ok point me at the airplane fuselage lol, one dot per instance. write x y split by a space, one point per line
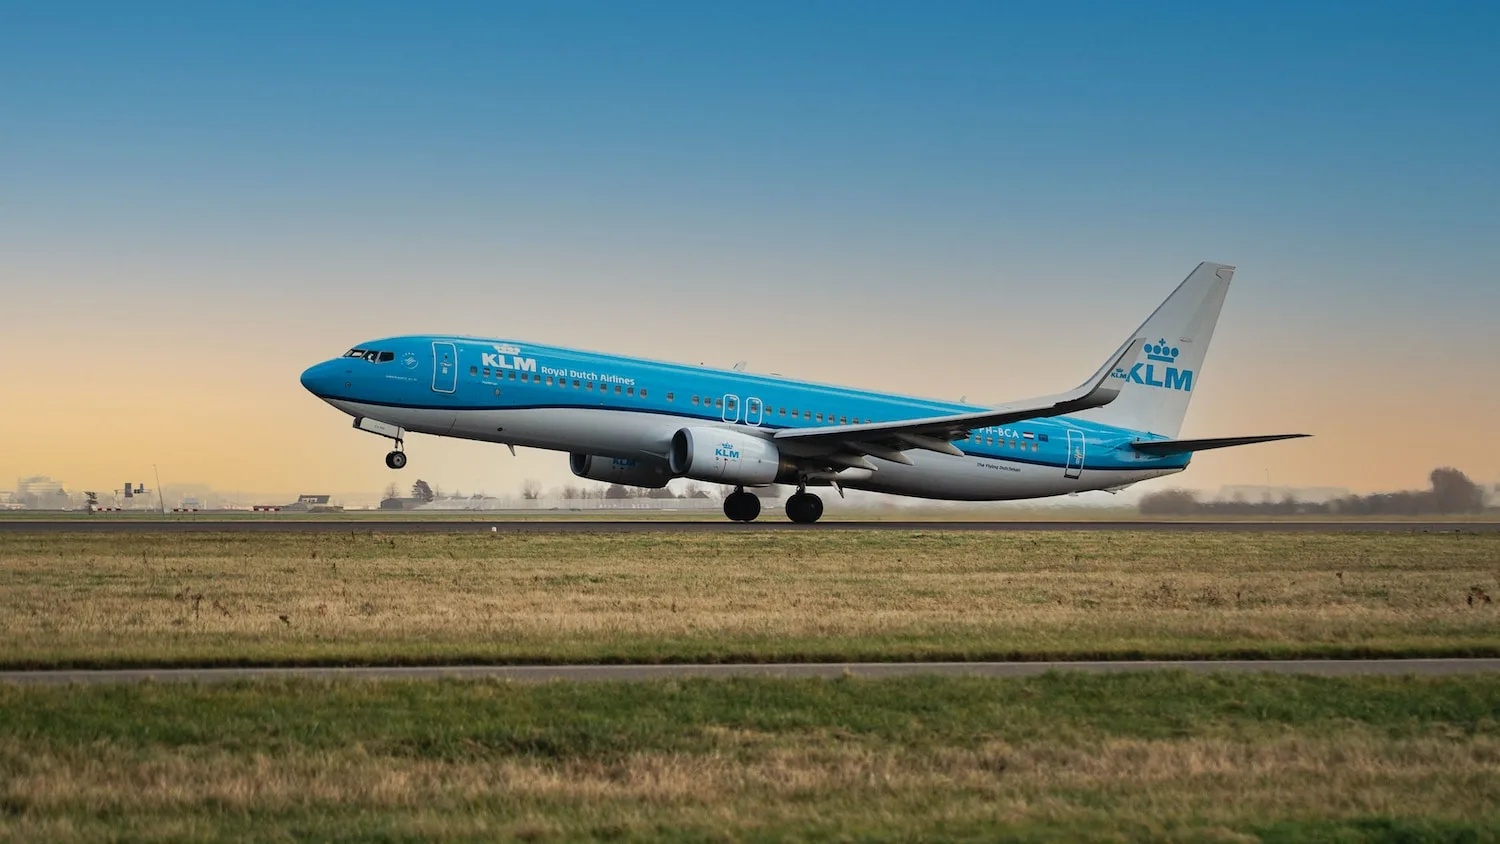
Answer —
624 413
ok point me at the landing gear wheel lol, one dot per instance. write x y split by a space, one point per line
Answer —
804 508
741 506
396 459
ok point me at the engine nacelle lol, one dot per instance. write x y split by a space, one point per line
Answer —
618 470
719 455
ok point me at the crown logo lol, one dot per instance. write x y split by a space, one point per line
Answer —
1161 351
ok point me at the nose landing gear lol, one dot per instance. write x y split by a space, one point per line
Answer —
741 506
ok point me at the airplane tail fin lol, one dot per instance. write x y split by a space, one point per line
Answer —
1158 387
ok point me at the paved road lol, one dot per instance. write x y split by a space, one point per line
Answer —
543 673
188 524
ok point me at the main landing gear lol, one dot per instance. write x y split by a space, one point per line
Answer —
804 508
741 506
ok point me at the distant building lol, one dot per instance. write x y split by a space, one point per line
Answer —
311 503
401 503
39 485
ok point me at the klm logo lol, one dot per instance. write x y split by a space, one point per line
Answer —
515 362
1152 373
727 452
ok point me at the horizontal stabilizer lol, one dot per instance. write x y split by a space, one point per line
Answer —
1159 448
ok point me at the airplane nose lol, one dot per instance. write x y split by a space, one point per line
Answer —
318 378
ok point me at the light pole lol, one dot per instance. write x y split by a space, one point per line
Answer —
161 502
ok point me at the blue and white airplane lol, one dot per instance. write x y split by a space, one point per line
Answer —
642 422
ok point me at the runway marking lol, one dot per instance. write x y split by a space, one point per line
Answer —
866 670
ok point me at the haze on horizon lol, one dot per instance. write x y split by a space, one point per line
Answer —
973 198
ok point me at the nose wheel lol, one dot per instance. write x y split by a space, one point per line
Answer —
396 459
804 508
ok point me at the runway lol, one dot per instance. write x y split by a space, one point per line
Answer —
866 670
190 524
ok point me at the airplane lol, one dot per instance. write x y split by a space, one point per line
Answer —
643 423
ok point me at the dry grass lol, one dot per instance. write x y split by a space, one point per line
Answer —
1123 757
226 598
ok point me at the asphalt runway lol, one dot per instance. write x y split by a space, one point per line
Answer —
189 524
867 670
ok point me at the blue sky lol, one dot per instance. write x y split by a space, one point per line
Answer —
721 181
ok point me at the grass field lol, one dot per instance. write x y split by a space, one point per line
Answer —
357 597
1160 756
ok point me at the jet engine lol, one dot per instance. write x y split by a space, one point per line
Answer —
617 470
724 456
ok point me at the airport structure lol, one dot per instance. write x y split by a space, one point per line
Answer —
642 423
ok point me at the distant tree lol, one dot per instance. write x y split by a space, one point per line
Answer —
422 492
1169 502
616 492
1453 492
531 489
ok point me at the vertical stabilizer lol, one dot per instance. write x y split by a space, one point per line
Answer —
1158 387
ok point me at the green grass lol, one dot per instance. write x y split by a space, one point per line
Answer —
362 598
1060 757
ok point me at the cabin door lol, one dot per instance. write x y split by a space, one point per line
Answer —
444 367
1075 455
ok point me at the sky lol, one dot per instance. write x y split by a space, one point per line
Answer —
981 199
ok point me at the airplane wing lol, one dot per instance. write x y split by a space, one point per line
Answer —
887 440
1159 448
